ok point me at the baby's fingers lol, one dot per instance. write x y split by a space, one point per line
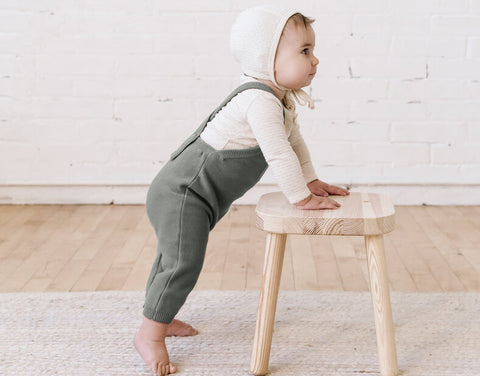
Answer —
333 204
317 203
333 190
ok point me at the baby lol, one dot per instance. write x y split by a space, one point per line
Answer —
253 128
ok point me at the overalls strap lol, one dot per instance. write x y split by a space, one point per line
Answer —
238 90
199 130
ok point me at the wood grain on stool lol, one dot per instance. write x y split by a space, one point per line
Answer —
362 214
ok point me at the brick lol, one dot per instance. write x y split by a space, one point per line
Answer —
6 87
54 86
449 47
397 24
399 154
214 23
125 6
338 6
474 88
325 25
13 43
475 6
428 46
7 107
470 173
69 107
429 132
114 44
409 46
409 89
453 68
352 173
473 48
352 131
208 44
364 24
331 153
151 108
427 6
212 88
193 6
333 66
179 44
155 66
352 46
7 65
169 23
455 154
38 131
454 110
328 109
456 25
474 132
13 21
61 65
216 66
388 110
101 87
347 89
23 154
422 174
448 89
384 66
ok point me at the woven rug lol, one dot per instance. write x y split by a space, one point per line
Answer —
316 333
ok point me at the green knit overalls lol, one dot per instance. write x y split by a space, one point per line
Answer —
190 194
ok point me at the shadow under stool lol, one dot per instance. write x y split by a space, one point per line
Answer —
361 214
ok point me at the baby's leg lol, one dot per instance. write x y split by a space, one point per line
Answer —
150 344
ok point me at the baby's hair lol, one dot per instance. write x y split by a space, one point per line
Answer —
300 19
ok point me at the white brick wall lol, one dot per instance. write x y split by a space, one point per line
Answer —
94 95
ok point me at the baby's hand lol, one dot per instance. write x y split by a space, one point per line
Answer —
320 188
316 202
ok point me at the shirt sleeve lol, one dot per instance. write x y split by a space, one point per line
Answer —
265 117
303 155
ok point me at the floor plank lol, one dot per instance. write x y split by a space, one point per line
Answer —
110 247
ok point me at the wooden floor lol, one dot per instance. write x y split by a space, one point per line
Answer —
88 248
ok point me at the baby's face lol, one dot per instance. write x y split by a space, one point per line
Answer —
295 64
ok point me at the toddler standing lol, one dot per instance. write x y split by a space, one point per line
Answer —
253 128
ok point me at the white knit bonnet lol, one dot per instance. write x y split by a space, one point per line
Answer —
254 40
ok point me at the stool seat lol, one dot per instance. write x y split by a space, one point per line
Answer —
365 214
360 214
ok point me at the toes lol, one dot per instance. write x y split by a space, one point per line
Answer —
162 369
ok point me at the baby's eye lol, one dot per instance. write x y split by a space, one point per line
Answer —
305 51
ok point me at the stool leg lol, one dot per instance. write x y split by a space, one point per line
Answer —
272 272
380 292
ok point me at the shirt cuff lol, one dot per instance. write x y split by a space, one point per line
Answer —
309 172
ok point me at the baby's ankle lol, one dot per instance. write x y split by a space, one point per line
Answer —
153 330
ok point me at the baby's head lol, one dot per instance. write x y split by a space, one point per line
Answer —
275 44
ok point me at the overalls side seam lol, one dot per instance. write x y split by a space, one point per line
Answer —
180 232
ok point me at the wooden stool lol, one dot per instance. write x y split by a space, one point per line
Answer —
364 214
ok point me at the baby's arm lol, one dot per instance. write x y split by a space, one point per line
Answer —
316 186
265 117
266 121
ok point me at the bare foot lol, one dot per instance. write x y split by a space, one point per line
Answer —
150 344
180 329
